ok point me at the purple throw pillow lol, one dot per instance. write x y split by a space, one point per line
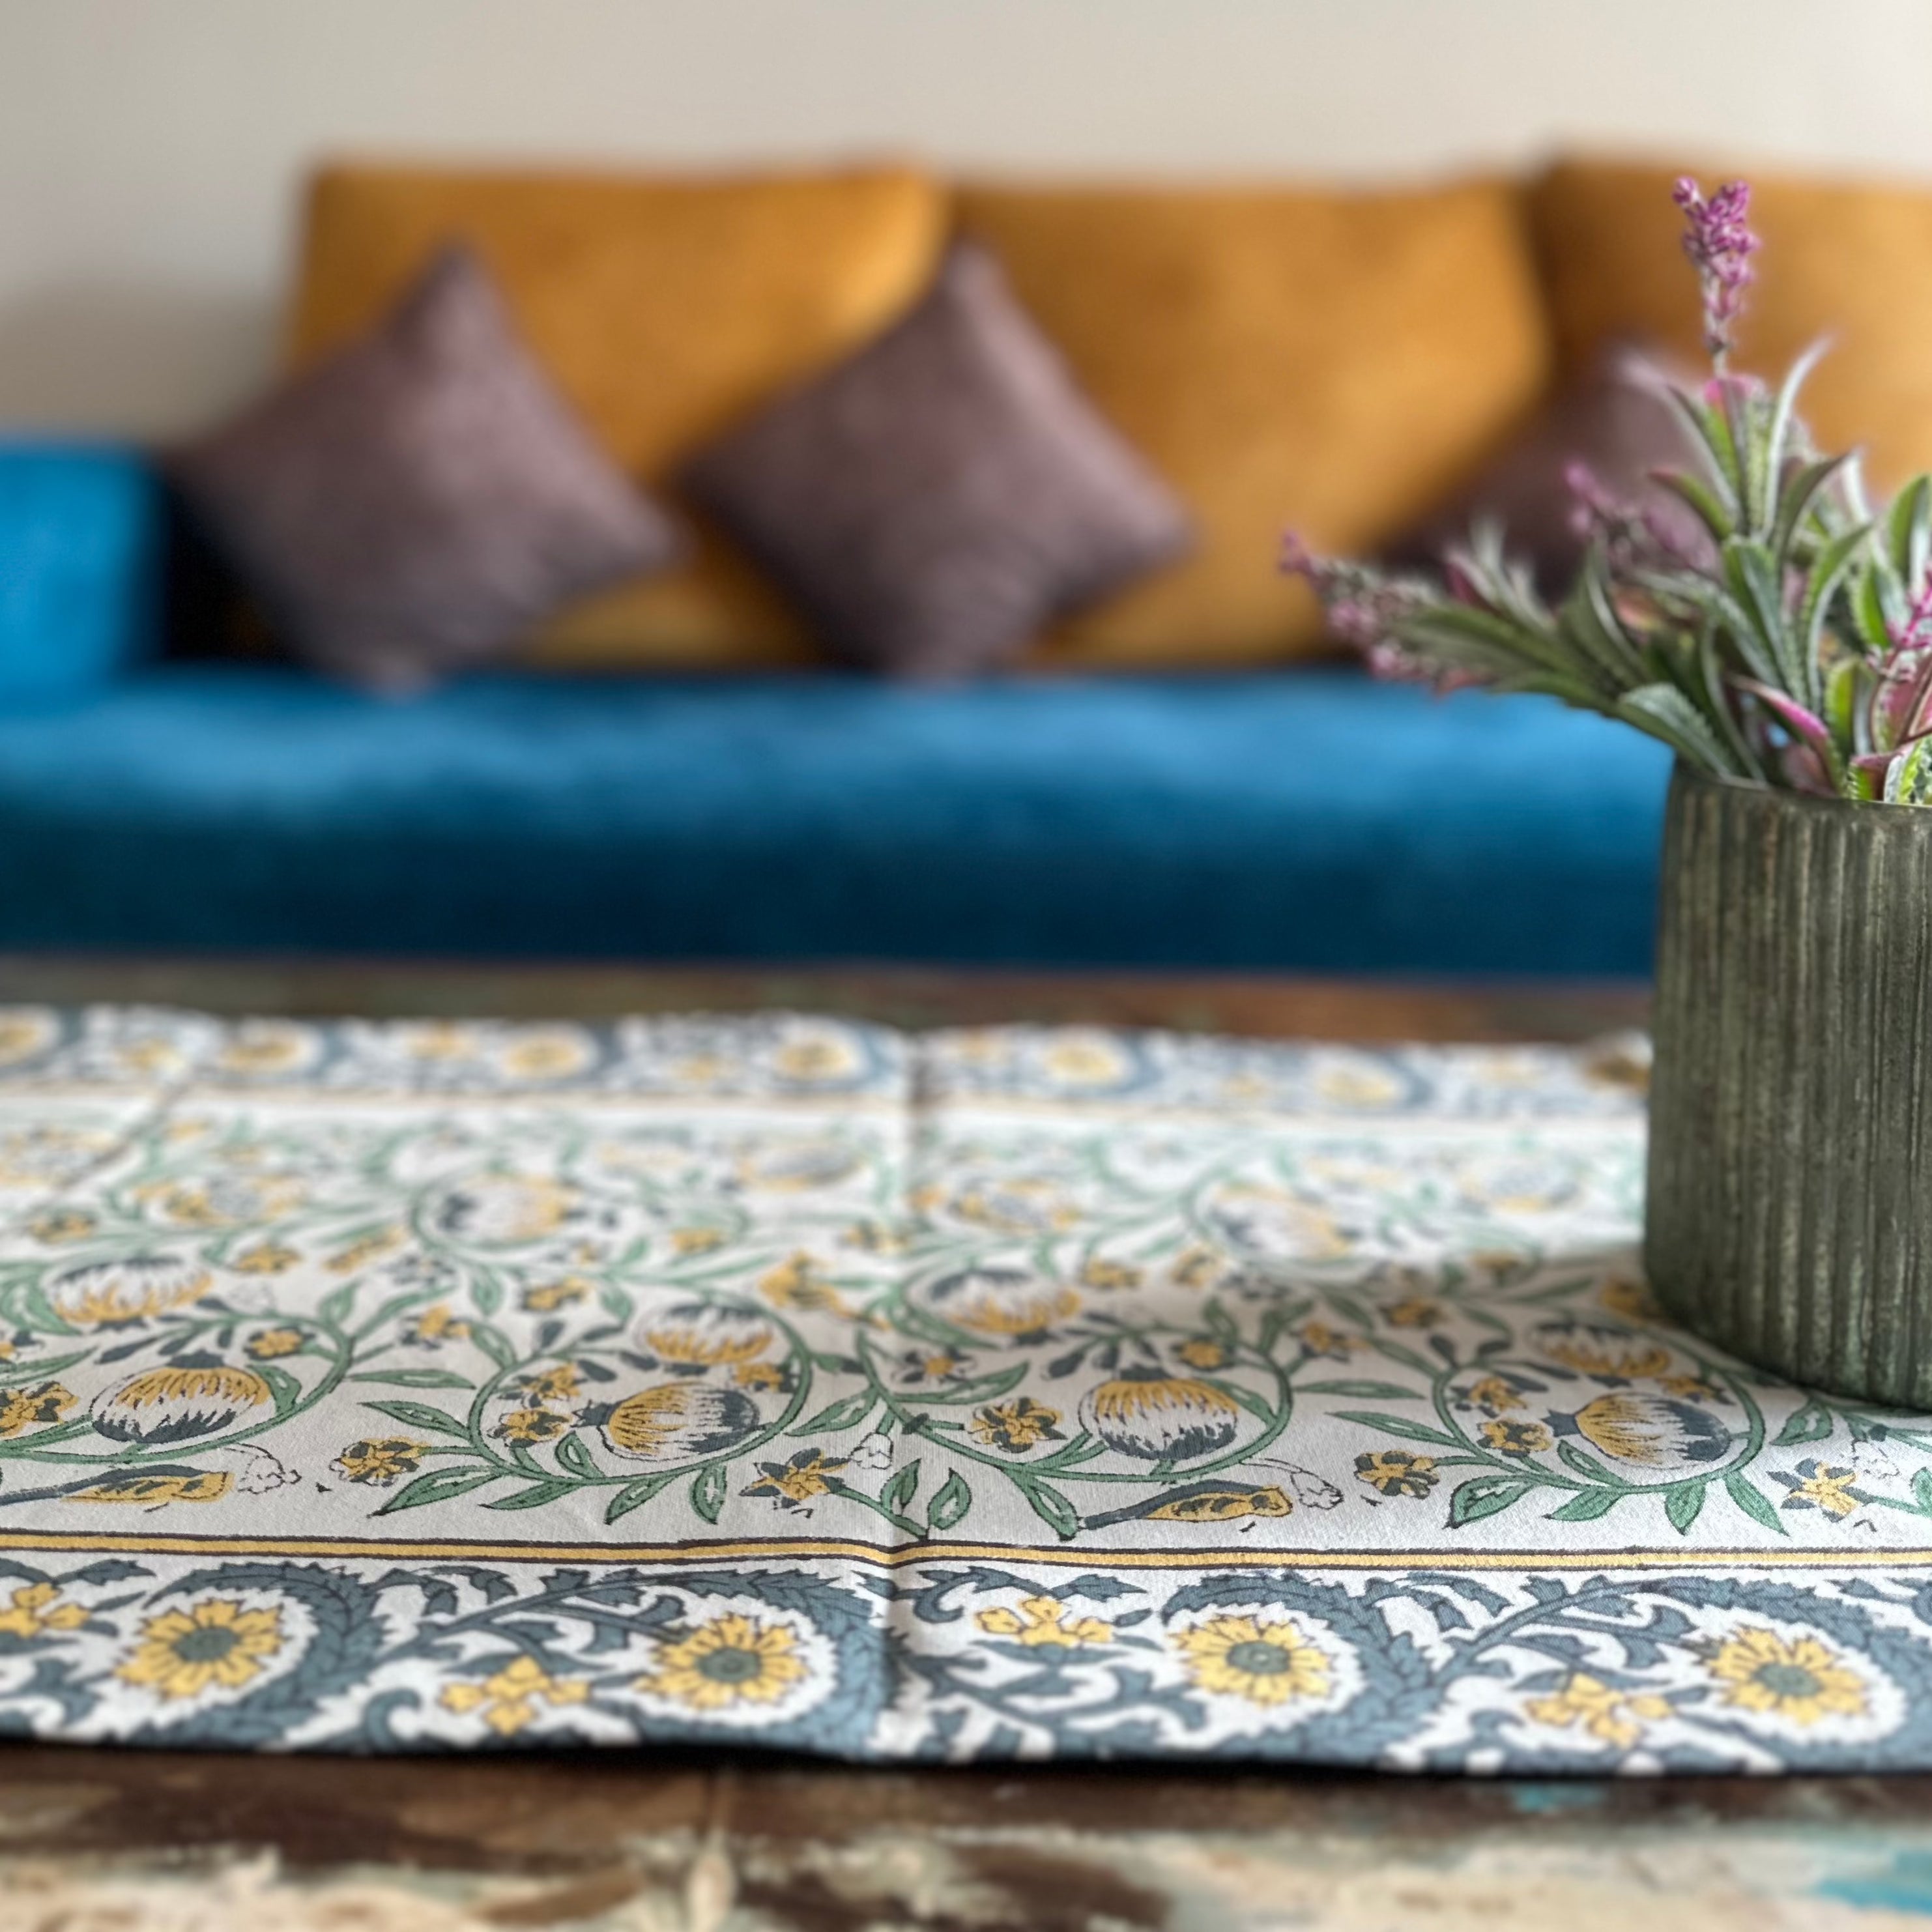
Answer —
1616 424
934 501
415 502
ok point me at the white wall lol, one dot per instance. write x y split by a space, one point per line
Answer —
149 149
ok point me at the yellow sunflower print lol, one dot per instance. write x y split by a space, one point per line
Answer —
1801 1680
1264 1663
734 1659
219 1642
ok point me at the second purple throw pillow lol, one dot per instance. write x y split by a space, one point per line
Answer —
934 502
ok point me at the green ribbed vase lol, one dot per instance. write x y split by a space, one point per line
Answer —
1790 1214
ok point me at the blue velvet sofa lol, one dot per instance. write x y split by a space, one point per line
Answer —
1308 821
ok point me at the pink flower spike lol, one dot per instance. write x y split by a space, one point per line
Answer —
1720 246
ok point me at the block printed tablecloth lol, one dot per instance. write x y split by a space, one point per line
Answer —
787 1381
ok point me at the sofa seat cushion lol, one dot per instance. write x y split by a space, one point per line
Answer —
1309 821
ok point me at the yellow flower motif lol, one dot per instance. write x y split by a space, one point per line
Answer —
1042 1620
1198 1268
1803 1681
759 1375
434 1326
1632 1300
1075 1062
545 1056
873 1237
1102 1273
1592 1350
531 1425
733 1660
1691 1388
1199 1352
1516 1438
265 1257
60 1225
380 1459
358 1253
23 1408
1617 1717
557 1384
1828 1488
220 1642
809 1474
1016 1206
795 1283
1396 1472
273 1342
815 1058
696 1240
1493 1395
546 1297
1265 1664
36 1609
508 1700
1414 1311
1319 1339
1015 1424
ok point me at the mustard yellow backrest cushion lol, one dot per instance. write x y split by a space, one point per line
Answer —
1333 360
665 307
1853 262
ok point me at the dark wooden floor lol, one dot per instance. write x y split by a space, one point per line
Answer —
662 1843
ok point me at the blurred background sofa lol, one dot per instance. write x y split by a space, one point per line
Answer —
1183 777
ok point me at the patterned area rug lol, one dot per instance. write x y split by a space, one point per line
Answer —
980 1394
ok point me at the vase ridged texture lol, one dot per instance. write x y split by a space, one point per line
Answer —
1789 1216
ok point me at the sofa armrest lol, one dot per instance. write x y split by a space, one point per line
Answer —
80 552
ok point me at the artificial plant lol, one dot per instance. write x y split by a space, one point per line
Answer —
1791 646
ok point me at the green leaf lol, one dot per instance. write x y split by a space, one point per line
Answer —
1908 778
337 1304
847 1412
1811 1423
1398 1425
576 1458
1484 1495
1784 411
283 1386
1052 1507
1587 1505
1573 1458
1922 1491
414 1378
1371 1391
486 1294
420 1415
535 1497
1220 1324
900 1490
1799 496
493 1345
1827 573
708 1488
1665 712
438 1486
1753 1502
1682 1505
1702 499
954 1499
1712 441
1908 531
634 1496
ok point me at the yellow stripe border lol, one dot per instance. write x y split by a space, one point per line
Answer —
1392 1562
